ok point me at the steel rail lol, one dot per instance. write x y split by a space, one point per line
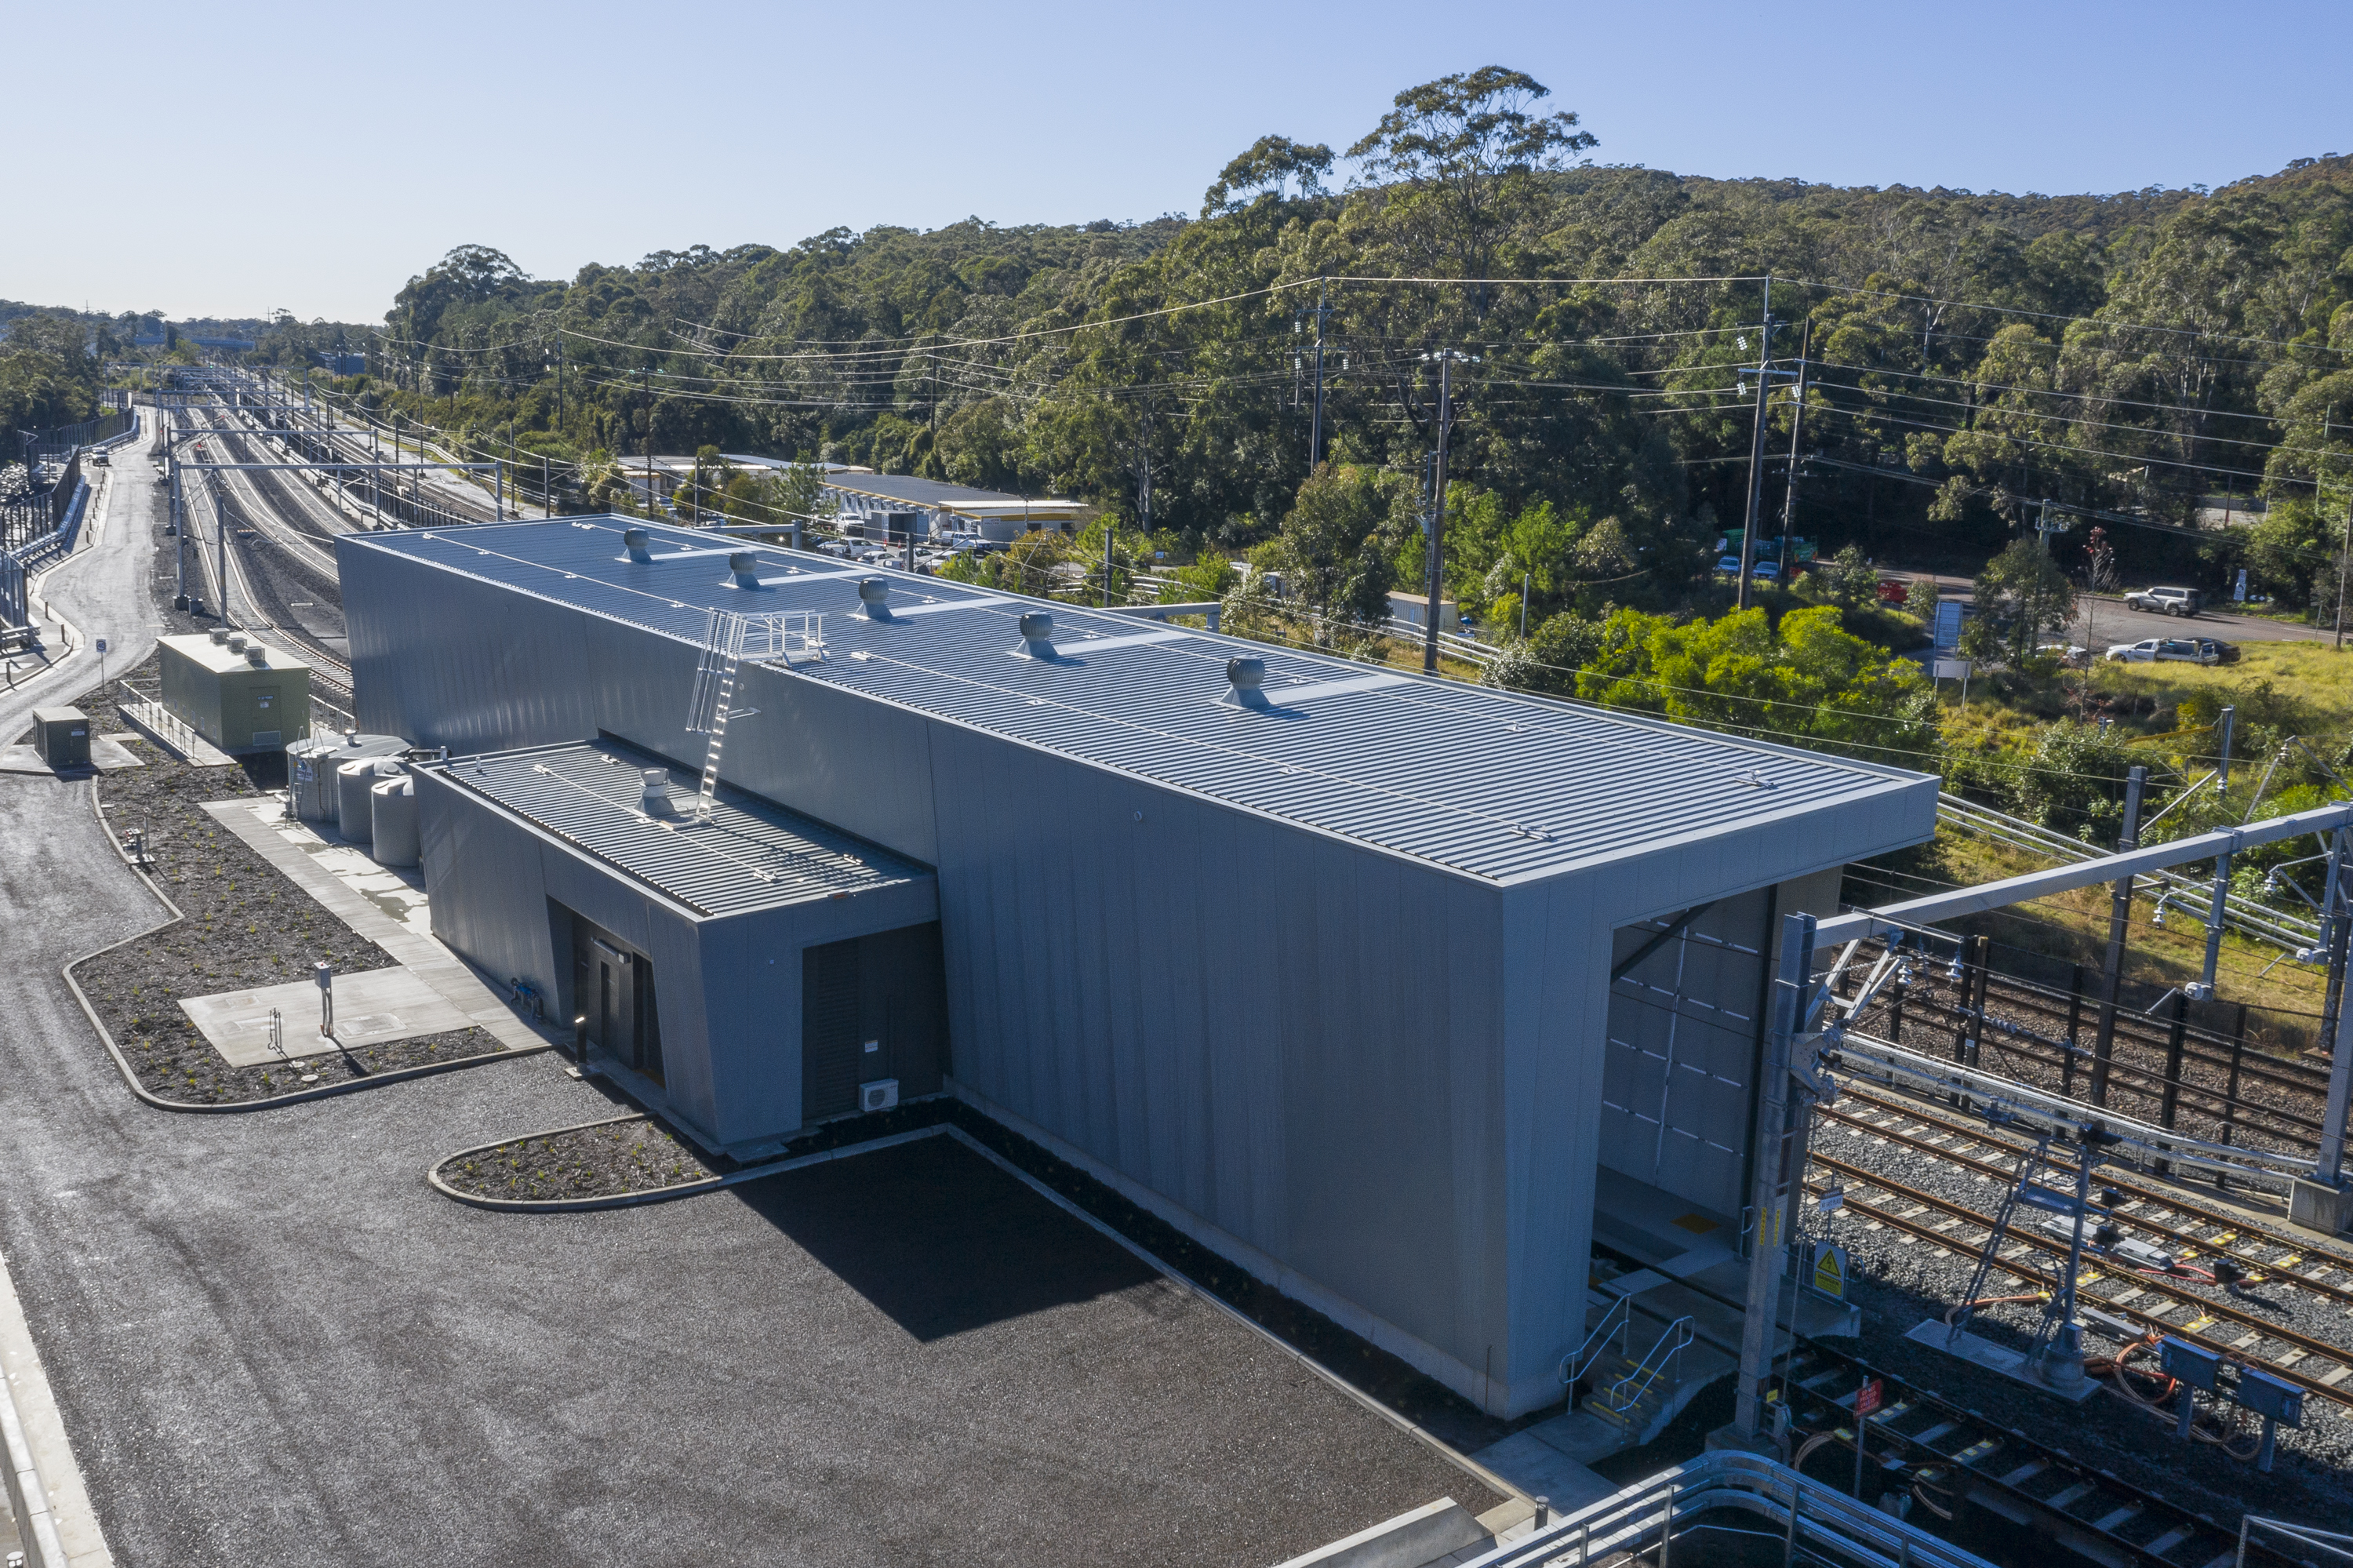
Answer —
2300 1246
2182 1238
1982 1438
2214 1310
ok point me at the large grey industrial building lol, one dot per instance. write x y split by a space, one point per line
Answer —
1321 972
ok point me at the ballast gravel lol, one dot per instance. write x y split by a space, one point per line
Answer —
1900 1281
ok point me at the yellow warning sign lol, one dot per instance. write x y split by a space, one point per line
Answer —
1830 1270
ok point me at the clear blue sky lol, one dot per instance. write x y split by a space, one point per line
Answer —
229 158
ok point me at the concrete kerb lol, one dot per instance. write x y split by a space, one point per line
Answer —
36 1530
654 1196
327 1091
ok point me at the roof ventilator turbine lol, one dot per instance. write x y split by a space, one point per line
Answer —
635 541
1036 636
874 597
1244 677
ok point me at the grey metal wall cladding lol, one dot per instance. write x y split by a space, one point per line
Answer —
1683 1039
1296 1039
1483 782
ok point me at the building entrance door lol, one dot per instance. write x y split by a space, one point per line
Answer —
613 988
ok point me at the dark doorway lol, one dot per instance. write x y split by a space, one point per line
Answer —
873 1008
613 986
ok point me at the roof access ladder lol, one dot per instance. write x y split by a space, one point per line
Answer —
730 640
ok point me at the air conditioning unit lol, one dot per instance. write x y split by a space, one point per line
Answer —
879 1095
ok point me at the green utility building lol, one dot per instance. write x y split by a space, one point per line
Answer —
235 693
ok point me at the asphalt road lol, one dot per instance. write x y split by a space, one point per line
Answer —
2102 623
272 1344
101 589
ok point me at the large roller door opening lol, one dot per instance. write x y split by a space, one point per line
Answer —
1682 1044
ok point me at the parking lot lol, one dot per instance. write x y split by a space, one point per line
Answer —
272 1344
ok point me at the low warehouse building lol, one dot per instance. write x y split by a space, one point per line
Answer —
699 954
1312 960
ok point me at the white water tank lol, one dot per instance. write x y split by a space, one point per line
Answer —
318 799
391 815
354 780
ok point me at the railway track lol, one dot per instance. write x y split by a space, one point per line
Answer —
1944 1450
2204 1312
249 601
1936 1448
2272 1255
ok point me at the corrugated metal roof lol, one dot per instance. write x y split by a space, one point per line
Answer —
918 491
1481 780
751 854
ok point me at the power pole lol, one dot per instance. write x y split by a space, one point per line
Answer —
1436 554
2119 921
1796 424
1756 451
1774 1183
1315 426
2344 559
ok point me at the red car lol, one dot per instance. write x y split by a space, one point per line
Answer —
1895 590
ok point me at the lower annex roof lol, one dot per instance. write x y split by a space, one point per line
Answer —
1482 781
751 854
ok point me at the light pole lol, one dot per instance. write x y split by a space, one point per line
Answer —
1435 569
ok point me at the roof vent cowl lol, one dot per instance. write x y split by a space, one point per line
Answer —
653 798
1036 636
636 541
874 597
744 570
1244 676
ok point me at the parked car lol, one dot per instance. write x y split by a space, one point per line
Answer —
1895 590
2167 600
1764 571
2224 653
1728 565
2164 649
2067 653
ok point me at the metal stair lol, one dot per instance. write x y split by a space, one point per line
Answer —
1635 1393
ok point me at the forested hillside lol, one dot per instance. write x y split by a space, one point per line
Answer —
1967 354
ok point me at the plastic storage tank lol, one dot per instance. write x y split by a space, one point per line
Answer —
353 780
317 798
391 817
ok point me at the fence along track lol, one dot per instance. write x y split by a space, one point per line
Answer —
2289 1119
